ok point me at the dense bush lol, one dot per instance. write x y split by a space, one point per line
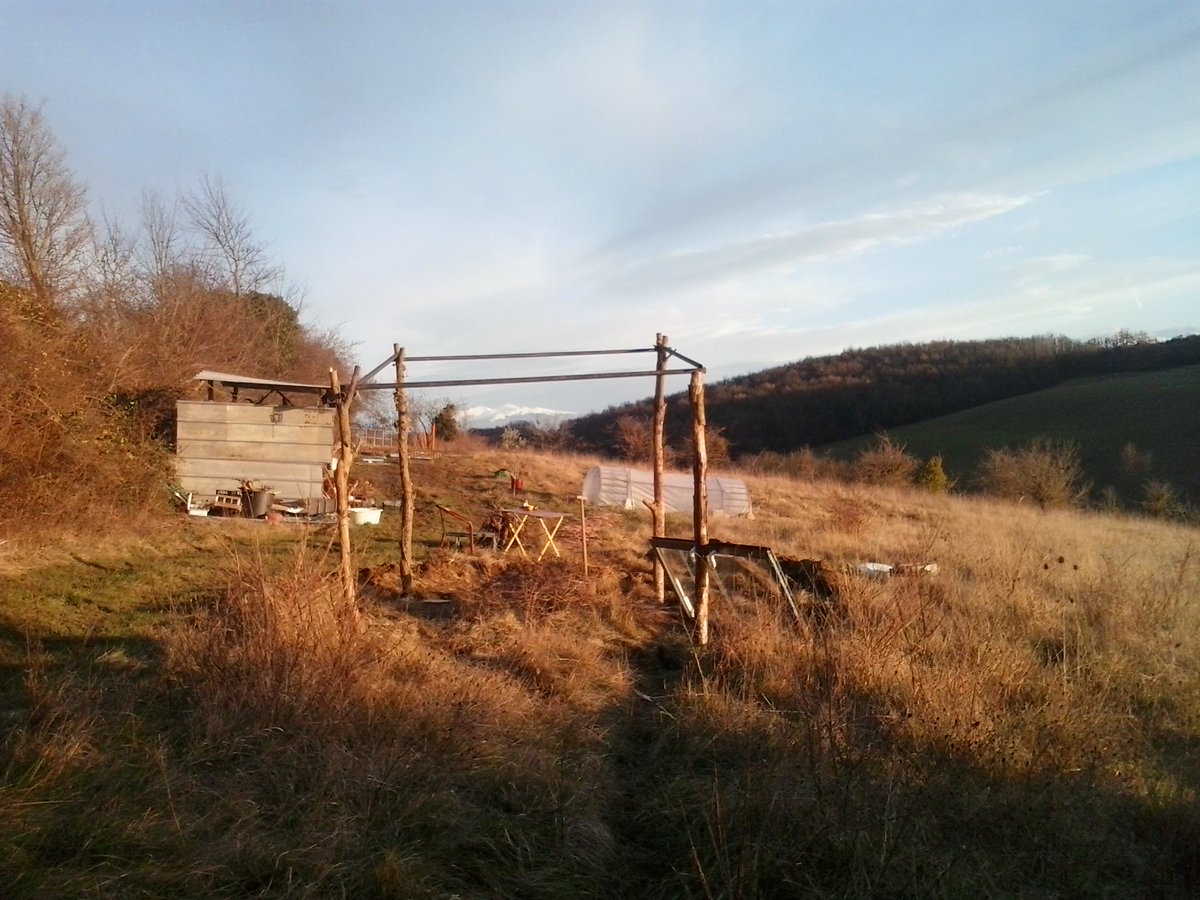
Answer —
932 476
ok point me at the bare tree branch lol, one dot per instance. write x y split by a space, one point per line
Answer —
240 261
113 266
161 251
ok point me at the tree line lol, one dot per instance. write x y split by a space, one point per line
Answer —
822 400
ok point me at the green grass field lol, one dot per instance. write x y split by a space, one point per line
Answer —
1157 412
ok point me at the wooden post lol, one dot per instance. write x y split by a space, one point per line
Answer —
700 504
407 501
341 479
657 511
583 532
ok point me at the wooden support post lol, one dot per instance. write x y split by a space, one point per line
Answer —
700 505
583 532
341 480
658 512
407 501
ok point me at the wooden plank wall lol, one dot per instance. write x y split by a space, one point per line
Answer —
218 445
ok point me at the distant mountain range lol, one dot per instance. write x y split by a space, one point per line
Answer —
509 413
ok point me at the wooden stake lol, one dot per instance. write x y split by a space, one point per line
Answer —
700 504
341 480
657 511
583 532
407 501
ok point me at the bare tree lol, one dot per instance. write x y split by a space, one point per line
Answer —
113 272
43 229
161 251
111 287
239 260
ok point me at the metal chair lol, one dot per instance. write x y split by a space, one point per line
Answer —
452 534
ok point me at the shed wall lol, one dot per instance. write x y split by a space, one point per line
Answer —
219 445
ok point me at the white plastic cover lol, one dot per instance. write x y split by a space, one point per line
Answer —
628 488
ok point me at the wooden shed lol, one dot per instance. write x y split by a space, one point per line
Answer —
221 444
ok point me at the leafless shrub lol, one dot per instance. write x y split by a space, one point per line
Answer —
765 462
1134 460
885 463
718 450
1045 471
809 465
1160 500
633 438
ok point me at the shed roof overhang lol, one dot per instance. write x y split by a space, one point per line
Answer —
236 383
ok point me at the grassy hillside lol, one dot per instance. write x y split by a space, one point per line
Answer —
1154 411
196 712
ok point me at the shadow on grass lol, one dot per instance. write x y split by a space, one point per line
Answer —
732 797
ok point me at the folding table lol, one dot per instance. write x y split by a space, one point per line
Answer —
517 519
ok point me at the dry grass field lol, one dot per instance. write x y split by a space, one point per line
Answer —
195 711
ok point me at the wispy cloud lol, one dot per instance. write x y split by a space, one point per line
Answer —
787 250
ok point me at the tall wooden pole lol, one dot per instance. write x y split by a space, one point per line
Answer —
341 480
658 512
700 504
407 502
583 532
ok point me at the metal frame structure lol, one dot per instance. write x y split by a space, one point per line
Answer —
366 385
663 353
664 546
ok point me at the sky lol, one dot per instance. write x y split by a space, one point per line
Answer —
760 181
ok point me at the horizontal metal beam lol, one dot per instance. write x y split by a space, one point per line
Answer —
552 354
539 355
528 379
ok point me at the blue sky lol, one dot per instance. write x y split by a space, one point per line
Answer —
760 181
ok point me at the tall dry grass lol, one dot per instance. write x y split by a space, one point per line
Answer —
1038 694
1023 723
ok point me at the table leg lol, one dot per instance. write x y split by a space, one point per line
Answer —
515 525
550 533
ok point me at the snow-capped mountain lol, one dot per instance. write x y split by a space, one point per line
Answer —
491 416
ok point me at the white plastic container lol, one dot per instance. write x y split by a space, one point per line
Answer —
365 515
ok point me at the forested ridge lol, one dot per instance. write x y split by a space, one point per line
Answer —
821 400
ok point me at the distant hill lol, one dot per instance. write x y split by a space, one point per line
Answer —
1158 413
823 400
